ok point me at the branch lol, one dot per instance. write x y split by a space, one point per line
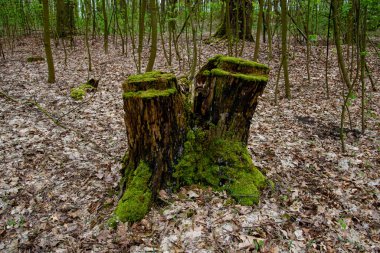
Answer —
294 22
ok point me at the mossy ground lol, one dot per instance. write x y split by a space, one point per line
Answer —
224 164
136 200
78 93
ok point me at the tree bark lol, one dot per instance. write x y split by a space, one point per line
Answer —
258 31
153 46
173 143
284 49
104 10
226 94
234 12
49 55
65 23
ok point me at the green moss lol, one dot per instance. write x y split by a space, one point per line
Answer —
206 72
150 77
249 78
252 78
79 92
219 72
221 163
242 62
149 93
137 197
236 67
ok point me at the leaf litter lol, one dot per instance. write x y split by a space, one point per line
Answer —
58 185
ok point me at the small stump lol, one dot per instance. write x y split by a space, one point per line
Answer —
156 127
226 93
202 144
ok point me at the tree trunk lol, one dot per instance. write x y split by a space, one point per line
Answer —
49 55
65 23
60 7
284 50
104 10
171 144
258 31
156 127
226 94
153 46
141 33
234 12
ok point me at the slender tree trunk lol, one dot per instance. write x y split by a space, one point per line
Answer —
153 46
87 21
284 50
363 37
49 55
327 54
232 16
104 9
141 32
308 41
343 70
269 28
60 14
195 49
258 31
93 19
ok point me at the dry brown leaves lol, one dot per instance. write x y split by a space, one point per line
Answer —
57 188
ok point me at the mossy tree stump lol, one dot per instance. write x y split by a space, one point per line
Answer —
156 127
171 145
225 95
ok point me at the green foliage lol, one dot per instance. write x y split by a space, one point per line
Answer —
313 37
342 223
221 163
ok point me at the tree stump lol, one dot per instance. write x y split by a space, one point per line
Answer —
156 127
172 143
226 93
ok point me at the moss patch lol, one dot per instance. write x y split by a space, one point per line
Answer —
221 163
238 68
137 197
150 77
149 93
78 93
241 62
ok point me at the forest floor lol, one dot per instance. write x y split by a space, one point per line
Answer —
58 181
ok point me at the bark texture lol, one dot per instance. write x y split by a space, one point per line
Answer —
173 143
156 127
226 94
235 10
